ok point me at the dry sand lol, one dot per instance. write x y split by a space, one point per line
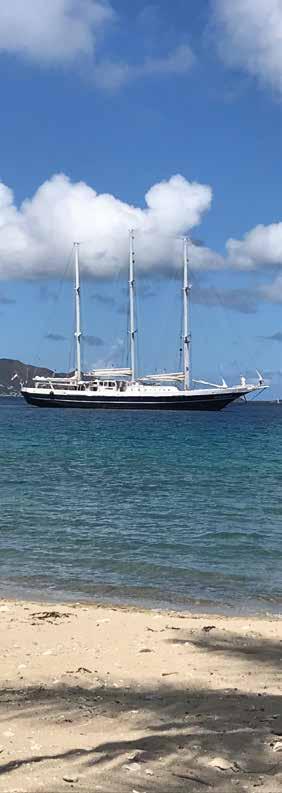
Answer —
119 700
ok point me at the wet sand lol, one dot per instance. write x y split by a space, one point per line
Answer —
115 700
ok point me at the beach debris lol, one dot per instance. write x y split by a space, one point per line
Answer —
50 615
132 758
77 671
223 764
149 772
167 674
132 766
84 669
139 756
62 719
145 650
70 778
194 778
208 628
138 791
277 746
134 761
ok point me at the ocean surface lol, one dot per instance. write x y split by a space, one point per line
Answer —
165 510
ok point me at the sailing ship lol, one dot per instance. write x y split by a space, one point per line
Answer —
121 388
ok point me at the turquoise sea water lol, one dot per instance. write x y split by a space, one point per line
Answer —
178 510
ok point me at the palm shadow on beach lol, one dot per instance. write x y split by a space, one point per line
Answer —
178 738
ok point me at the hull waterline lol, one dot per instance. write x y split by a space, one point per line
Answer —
210 402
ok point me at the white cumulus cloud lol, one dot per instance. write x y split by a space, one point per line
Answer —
36 238
60 32
260 247
249 36
52 31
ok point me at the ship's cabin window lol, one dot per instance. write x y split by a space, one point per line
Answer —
108 384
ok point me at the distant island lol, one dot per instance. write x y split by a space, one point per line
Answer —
13 373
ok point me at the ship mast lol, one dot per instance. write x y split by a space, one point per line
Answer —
186 318
77 312
132 331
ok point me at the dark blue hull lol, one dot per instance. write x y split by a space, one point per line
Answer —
111 402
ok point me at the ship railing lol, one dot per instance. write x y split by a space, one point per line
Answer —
56 382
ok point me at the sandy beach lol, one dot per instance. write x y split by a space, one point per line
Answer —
111 699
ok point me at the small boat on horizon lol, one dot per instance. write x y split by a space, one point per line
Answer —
113 388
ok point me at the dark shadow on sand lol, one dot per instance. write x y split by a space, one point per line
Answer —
179 729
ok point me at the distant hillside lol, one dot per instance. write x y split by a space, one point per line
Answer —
13 373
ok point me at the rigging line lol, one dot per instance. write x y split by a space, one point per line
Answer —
255 354
127 344
121 355
255 396
178 303
71 336
72 343
169 310
175 277
143 308
71 357
232 322
82 318
138 327
222 322
46 323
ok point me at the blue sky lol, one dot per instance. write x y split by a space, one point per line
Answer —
119 98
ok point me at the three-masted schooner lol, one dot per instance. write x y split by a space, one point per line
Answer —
121 388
